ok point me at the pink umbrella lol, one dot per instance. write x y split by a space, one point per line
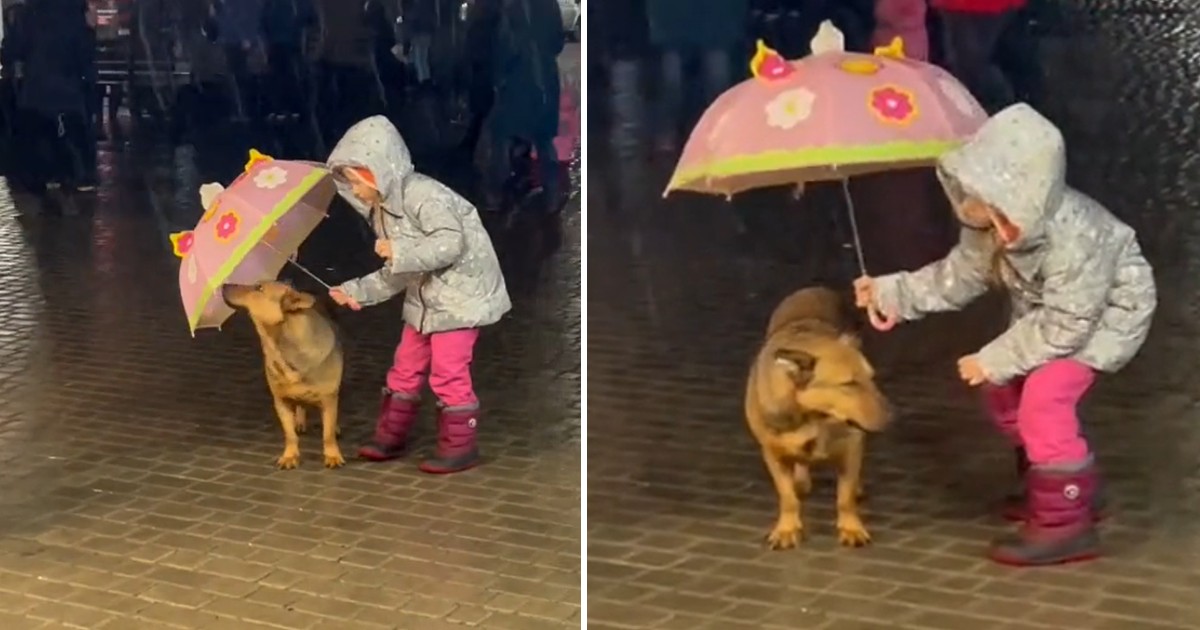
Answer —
249 231
831 115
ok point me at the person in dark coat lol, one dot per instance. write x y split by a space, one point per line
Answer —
58 65
8 65
284 26
235 25
383 42
483 22
686 31
525 70
421 22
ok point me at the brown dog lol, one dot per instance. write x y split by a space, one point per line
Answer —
811 398
303 361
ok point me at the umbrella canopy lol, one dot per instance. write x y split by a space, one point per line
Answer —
831 115
248 232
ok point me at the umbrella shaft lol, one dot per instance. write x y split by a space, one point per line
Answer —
858 249
299 266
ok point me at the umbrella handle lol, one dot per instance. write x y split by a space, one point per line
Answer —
879 320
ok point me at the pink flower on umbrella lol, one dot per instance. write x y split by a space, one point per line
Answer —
893 105
181 243
227 226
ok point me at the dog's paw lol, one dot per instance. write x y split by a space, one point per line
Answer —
334 459
288 460
785 537
852 532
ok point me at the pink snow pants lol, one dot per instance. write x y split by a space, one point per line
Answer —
1038 412
445 356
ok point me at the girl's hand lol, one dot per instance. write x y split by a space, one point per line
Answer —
339 296
970 371
383 249
864 292
864 298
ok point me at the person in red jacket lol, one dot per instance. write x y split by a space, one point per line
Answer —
972 32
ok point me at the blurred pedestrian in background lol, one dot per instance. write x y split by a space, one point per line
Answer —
972 35
686 32
235 25
525 66
421 21
904 19
56 55
483 22
284 28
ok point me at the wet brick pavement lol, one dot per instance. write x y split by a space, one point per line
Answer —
678 501
138 487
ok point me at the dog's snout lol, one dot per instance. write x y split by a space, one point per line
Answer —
229 292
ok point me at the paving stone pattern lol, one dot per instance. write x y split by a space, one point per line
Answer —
138 487
678 501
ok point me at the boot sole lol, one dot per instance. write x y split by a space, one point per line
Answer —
376 456
1021 518
1023 564
446 471
1086 546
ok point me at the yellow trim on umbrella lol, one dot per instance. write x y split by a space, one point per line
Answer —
255 236
795 159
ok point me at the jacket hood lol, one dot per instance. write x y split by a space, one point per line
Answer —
1017 164
374 144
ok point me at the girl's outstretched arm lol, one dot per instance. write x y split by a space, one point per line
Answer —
946 285
376 287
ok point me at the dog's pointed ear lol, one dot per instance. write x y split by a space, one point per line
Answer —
797 364
294 301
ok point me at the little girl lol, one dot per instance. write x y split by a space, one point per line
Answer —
437 251
1082 297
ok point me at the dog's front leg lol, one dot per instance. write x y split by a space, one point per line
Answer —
851 531
329 432
291 441
301 419
789 529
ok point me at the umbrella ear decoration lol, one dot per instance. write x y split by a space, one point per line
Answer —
181 243
769 65
209 193
827 39
894 49
256 158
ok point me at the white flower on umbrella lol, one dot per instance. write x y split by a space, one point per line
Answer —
790 108
270 178
958 97
192 269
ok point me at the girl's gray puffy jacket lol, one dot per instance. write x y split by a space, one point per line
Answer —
1079 284
441 254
